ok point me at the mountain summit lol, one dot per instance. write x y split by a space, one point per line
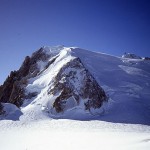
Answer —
53 81
70 82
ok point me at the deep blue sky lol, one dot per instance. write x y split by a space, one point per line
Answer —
110 26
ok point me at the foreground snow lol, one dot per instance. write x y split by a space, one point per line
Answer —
69 134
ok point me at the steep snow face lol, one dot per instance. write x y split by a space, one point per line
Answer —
125 80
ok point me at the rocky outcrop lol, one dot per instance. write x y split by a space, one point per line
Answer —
76 84
13 89
132 56
146 58
1 109
29 67
7 87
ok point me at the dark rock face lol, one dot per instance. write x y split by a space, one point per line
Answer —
7 87
29 67
1 109
146 58
12 91
66 82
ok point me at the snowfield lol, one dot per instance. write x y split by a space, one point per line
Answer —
122 123
74 135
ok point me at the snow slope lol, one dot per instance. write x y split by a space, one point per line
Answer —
126 81
69 134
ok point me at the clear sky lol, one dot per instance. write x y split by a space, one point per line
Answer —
109 26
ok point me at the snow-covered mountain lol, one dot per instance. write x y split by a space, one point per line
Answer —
69 82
